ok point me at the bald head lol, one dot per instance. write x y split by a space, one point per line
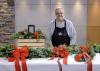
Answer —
59 9
59 12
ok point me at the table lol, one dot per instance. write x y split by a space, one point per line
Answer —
44 64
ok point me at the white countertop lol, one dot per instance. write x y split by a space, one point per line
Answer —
44 64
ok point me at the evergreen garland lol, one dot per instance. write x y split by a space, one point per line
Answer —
45 52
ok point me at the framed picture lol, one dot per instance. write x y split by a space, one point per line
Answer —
31 28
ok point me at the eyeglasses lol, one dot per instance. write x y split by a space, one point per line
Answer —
59 13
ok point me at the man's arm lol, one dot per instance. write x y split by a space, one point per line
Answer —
51 28
71 33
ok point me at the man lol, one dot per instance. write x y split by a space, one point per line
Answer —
62 30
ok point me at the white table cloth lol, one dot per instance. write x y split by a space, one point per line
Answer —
44 64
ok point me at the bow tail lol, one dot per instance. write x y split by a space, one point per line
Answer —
65 59
24 65
59 64
17 65
89 66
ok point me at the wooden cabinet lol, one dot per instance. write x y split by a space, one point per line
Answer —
93 16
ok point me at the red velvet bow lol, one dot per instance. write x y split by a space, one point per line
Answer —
86 56
60 51
18 54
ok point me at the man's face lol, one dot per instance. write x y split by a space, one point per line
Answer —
59 14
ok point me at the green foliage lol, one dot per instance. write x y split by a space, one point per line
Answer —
40 52
15 35
91 52
6 50
96 48
73 49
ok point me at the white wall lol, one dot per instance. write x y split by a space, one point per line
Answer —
41 12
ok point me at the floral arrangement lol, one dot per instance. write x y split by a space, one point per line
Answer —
28 35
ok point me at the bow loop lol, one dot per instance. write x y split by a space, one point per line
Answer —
24 51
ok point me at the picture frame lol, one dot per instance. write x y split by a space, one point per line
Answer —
31 28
